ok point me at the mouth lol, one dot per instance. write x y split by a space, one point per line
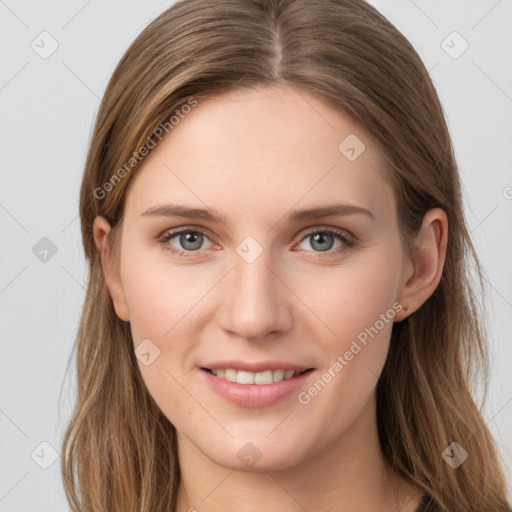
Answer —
255 384
261 378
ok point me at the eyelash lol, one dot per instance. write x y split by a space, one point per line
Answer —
348 242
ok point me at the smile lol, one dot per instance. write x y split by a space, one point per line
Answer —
263 388
259 378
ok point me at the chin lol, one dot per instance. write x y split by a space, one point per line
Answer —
258 456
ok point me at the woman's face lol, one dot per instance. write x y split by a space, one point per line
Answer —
271 288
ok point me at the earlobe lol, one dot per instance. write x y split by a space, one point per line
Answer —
429 253
101 231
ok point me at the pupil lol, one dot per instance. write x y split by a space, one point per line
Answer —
320 237
191 238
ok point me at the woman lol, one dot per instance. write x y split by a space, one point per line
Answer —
279 314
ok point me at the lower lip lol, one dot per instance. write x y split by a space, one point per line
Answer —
255 395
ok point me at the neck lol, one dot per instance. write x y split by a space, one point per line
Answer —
350 474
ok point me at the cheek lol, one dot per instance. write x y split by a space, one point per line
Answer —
351 297
160 307
357 304
163 300
160 295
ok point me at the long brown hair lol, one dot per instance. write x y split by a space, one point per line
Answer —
119 452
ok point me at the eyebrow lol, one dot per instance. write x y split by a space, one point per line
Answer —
292 217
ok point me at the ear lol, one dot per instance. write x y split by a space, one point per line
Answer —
101 230
422 275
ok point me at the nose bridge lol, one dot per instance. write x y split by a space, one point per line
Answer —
254 299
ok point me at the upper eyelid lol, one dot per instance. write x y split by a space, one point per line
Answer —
170 233
313 229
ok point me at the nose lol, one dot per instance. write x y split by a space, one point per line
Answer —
255 300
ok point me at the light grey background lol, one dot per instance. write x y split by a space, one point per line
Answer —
48 106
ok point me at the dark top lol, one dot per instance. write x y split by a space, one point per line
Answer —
426 504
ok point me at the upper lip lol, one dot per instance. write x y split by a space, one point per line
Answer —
256 367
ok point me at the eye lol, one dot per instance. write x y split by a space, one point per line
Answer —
190 240
323 240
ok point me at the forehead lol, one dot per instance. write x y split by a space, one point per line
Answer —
260 152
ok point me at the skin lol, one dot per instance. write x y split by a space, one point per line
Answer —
254 156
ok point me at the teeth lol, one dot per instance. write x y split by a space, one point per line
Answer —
265 377
278 375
